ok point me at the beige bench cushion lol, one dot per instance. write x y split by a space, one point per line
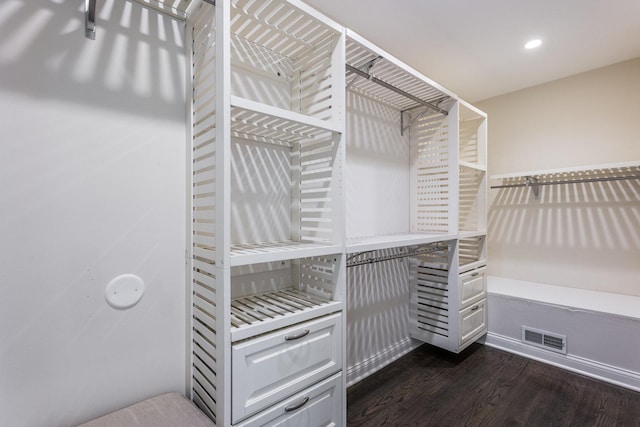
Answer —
170 410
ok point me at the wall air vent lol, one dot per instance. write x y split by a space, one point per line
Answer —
544 339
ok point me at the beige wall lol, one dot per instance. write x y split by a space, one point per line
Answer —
579 235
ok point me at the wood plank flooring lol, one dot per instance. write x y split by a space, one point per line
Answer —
484 386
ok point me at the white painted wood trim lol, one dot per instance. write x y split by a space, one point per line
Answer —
580 365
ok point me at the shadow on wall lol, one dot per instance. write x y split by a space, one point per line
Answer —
581 235
43 52
378 306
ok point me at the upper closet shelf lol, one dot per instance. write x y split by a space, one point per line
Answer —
362 244
374 72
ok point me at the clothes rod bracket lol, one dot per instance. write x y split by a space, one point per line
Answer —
532 181
90 19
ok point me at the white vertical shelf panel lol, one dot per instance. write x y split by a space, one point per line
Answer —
268 94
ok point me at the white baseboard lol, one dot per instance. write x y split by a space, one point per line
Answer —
373 364
580 365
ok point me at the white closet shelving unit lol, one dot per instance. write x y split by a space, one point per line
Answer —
267 228
449 303
439 203
270 233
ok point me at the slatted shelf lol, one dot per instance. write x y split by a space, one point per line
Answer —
383 66
387 241
253 253
472 252
257 314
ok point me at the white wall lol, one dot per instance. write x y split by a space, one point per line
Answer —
92 185
377 185
582 235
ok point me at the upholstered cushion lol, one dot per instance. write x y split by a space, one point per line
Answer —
166 410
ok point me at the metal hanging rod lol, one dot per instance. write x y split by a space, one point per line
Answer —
420 251
386 85
533 181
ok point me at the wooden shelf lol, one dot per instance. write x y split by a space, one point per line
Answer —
260 313
387 68
372 243
472 166
254 253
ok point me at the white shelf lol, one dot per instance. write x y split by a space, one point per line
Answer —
602 302
391 71
257 314
472 166
362 244
466 234
257 121
254 253
612 168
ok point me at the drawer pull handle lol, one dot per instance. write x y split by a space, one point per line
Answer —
297 405
475 308
474 274
297 336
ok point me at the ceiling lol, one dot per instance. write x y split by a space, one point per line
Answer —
475 48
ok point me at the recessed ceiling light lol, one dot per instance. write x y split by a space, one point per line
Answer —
533 44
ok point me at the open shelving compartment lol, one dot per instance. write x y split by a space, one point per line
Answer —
387 102
269 296
472 165
282 90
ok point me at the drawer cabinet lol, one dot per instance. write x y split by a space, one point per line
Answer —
270 368
319 405
473 322
472 286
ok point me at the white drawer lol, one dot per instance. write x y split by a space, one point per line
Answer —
473 321
319 405
472 286
270 368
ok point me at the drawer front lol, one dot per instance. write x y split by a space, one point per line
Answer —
473 321
319 405
272 367
472 286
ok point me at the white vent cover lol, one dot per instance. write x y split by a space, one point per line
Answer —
544 339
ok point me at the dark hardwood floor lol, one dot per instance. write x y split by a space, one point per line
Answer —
483 386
